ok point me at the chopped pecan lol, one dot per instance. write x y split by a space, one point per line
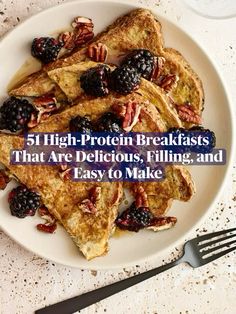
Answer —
66 174
33 120
168 82
186 113
48 228
90 205
162 223
119 109
50 224
44 213
141 199
68 39
98 52
158 67
44 105
4 179
95 194
87 206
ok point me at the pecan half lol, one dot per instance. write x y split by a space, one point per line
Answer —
82 21
141 199
97 52
4 179
162 223
89 205
158 67
130 112
82 36
83 30
186 113
168 82
131 116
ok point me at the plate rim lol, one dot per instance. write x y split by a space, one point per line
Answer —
232 143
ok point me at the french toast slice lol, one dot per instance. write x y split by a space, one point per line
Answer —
67 78
90 231
135 30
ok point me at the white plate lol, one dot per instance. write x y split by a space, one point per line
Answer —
129 249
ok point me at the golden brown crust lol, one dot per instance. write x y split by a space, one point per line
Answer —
137 29
177 184
189 87
159 206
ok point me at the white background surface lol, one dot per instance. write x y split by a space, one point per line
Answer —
28 282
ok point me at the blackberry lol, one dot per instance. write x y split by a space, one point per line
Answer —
125 80
46 49
80 124
109 122
142 60
200 130
95 81
176 132
134 219
23 202
15 114
195 131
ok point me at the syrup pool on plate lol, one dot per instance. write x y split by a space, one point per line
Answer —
30 66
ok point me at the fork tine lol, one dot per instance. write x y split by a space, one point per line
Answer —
217 248
201 246
213 235
215 256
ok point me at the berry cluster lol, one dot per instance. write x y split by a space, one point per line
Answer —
23 202
15 113
124 79
134 218
46 49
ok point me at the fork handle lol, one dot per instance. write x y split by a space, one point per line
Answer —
84 300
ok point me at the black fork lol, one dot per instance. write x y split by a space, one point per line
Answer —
197 252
